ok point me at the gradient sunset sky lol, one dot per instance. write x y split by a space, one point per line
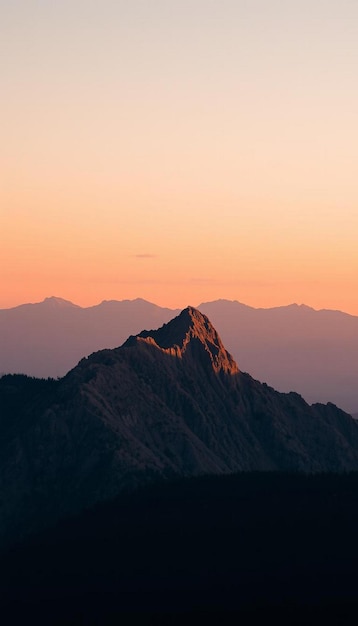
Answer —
179 151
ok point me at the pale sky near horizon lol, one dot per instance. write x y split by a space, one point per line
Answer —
179 151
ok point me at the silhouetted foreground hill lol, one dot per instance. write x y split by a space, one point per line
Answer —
260 544
168 403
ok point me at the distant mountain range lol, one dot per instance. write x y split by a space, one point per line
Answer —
292 348
48 338
167 403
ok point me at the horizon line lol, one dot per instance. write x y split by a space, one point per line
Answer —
60 299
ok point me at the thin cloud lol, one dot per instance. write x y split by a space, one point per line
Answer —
145 256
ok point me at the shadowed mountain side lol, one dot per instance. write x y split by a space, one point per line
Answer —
293 348
167 403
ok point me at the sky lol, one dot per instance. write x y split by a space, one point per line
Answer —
179 151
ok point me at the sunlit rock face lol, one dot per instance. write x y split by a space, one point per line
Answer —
169 402
181 336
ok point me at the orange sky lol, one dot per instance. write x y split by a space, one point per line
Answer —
180 153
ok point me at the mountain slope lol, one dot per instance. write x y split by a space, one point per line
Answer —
293 348
170 402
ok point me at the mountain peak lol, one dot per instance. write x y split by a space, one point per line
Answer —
54 301
190 332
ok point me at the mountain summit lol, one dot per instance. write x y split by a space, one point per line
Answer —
167 403
189 335
54 301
